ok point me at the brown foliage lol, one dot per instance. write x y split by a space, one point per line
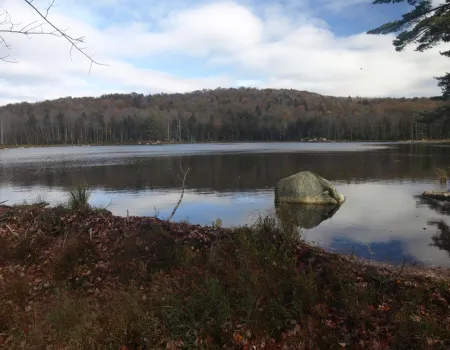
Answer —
104 281
210 115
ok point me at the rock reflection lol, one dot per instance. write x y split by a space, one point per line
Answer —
305 216
438 206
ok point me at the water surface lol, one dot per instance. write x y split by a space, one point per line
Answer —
381 218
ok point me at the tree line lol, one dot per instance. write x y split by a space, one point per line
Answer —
219 115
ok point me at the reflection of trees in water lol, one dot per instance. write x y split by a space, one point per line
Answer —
230 172
438 206
305 216
441 239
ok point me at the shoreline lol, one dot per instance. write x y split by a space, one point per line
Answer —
159 143
89 279
411 268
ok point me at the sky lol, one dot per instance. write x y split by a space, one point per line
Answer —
185 45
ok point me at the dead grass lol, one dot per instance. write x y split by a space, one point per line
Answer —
442 175
79 198
145 288
75 252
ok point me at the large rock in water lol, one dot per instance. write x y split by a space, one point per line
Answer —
307 188
438 195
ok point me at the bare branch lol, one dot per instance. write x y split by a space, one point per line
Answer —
64 35
48 8
37 28
3 41
182 193
6 60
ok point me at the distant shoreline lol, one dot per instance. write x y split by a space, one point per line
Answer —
159 143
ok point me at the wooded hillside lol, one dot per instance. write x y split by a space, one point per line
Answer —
243 114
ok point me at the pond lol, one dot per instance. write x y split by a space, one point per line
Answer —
382 218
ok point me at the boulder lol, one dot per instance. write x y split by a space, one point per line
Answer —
307 188
438 195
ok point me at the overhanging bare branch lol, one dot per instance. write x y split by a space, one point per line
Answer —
37 28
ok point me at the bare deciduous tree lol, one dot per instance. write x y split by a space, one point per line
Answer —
42 26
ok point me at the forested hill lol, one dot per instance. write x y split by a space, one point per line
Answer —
217 115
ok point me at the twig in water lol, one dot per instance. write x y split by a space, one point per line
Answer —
182 193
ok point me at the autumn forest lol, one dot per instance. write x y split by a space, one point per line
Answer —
221 115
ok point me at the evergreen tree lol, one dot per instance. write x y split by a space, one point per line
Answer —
426 25
153 128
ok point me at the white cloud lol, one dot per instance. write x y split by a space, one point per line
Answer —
274 44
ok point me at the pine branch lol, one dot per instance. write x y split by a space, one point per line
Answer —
420 11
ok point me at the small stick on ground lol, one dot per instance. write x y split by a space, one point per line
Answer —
64 241
182 193
11 230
